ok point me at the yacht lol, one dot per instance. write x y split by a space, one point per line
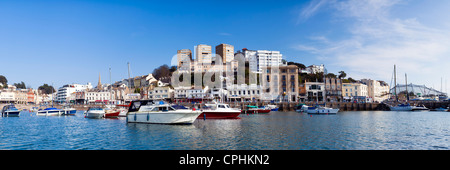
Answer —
321 110
219 111
10 111
95 112
51 111
401 107
146 111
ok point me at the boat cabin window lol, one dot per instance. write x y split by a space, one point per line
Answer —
221 106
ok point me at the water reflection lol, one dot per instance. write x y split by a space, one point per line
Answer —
277 130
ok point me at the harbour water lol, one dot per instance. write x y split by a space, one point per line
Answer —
364 130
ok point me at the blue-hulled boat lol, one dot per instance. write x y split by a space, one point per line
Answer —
51 111
10 111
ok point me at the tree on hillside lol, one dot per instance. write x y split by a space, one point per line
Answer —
162 71
20 85
3 81
47 89
342 74
299 65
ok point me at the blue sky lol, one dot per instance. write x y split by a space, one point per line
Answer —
64 42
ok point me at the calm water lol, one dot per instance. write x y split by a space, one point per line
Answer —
277 130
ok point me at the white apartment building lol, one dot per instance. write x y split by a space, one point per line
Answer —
377 90
315 91
355 92
262 58
203 54
244 92
65 91
99 96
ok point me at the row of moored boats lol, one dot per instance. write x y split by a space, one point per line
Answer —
408 107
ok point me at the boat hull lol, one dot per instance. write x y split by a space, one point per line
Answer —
11 114
95 114
218 115
69 112
322 111
112 114
164 117
49 113
396 108
257 111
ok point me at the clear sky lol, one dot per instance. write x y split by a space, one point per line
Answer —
64 42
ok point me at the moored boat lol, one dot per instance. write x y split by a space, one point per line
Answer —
123 108
95 112
419 108
321 110
301 107
272 107
219 111
440 109
10 111
69 111
146 111
111 113
401 107
256 109
51 111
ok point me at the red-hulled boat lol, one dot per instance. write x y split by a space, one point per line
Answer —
219 111
257 110
111 113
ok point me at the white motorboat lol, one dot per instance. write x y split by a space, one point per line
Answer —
301 108
219 111
10 111
420 108
401 107
146 111
69 111
51 111
321 110
95 112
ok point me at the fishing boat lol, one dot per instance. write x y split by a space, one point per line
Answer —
147 111
401 107
10 111
219 111
256 109
419 108
95 112
321 110
272 107
51 111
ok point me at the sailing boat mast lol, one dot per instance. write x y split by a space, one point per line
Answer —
407 93
395 84
110 87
